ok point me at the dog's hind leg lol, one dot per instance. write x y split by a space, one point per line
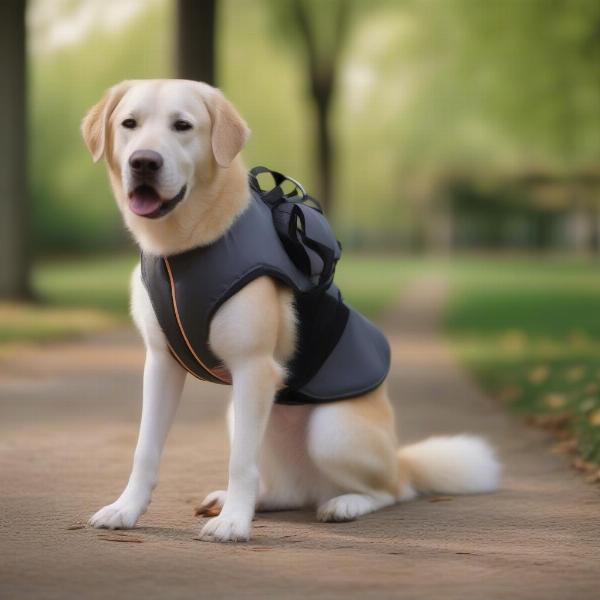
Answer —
354 446
287 474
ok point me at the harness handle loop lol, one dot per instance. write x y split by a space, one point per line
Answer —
301 226
297 195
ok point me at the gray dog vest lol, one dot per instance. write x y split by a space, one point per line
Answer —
339 354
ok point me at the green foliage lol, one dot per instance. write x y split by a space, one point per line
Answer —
33 323
372 283
427 89
99 283
484 89
72 203
267 84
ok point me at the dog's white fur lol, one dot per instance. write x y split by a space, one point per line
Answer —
341 457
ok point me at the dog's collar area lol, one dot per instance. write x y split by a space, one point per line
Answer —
168 205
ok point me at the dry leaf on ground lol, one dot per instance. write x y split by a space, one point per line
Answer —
208 510
119 537
539 374
555 400
585 466
594 477
595 418
551 422
568 446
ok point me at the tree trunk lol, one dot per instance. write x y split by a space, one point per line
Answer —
196 21
14 233
325 157
322 75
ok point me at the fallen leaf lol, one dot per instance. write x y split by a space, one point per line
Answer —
585 466
115 537
555 401
594 418
551 422
594 477
539 374
514 340
208 510
569 446
575 374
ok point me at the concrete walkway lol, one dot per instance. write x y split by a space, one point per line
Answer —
68 420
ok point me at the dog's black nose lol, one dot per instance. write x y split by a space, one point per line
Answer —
145 162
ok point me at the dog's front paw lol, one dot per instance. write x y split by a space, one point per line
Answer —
226 529
118 515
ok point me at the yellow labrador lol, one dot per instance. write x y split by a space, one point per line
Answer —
185 138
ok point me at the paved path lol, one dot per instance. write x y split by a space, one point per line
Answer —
68 419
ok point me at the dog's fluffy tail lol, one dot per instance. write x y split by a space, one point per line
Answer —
459 464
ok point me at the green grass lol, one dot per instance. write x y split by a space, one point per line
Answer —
530 331
98 283
85 295
372 283
76 297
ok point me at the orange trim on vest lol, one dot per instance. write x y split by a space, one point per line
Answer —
220 374
174 355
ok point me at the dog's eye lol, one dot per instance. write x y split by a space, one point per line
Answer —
181 125
129 123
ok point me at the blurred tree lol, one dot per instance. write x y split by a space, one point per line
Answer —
533 67
196 21
320 30
72 206
424 93
14 232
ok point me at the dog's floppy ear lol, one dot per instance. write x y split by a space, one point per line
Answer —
95 122
229 131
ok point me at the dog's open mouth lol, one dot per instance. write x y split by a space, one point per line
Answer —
146 202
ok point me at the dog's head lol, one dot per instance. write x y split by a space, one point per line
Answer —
161 140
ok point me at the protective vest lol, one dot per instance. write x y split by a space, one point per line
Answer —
339 353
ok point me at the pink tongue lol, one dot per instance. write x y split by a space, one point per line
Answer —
144 203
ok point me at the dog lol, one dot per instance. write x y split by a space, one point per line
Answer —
172 149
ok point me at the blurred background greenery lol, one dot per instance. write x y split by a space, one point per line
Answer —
448 138
454 123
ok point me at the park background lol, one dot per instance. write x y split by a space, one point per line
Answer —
455 139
